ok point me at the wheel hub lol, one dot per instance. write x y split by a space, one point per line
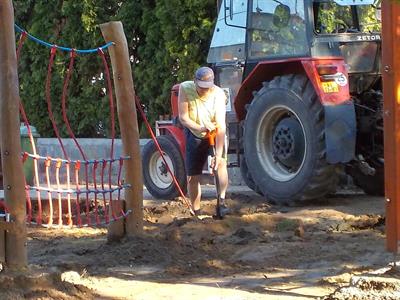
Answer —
283 142
158 170
288 143
163 169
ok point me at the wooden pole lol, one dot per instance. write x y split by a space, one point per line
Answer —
391 88
13 176
125 94
2 245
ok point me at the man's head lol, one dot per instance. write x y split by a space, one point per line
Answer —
204 78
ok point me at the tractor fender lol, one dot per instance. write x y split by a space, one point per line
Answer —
339 112
267 70
177 133
340 132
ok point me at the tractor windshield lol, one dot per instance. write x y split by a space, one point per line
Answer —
332 18
277 29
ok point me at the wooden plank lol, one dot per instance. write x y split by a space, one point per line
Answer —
2 242
125 94
391 83
8 226
13 175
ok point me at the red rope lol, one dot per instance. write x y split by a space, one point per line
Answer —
48 99
47 164
185 200
64 105
58 167
72 135
87 204
121 163
35 163
103 166
112 118
66 120
78 208
29 203
95 193
111 100
110 180
37 184
21 41
67 165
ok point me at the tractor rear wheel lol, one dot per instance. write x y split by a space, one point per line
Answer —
284 141
156 177
246 176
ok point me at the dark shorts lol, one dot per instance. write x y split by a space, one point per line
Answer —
197 150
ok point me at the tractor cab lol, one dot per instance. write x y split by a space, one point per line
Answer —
353 32
250 32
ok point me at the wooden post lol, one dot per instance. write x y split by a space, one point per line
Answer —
391 88
13 176
2 243
125 94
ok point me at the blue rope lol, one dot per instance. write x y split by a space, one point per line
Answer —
79 51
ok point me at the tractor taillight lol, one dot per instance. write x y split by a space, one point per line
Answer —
326 69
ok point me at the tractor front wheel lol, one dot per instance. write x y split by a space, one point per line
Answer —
156 177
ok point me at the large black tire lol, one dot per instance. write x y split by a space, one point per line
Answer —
246 176
373 185
284 141
157 179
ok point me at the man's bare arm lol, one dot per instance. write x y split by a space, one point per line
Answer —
183 108
221 125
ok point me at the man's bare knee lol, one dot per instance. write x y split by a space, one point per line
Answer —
193 179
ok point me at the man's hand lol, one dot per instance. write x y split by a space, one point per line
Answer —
215 162
210 126
203 129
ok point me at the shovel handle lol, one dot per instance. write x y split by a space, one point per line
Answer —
211 137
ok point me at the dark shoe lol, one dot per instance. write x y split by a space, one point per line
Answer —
198 212
222 209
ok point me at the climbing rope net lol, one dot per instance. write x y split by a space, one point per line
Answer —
72 192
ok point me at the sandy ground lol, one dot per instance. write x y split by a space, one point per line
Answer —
261 251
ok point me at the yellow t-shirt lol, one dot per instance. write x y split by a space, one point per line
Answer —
202 110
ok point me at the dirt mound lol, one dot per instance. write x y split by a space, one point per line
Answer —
369 288
270 251
40 285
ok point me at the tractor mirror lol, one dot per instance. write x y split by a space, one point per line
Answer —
281 16
234 13
378 14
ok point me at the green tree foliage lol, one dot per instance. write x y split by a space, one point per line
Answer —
168 40
334 18
65 23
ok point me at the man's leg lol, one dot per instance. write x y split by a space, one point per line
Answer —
196 156
222 208
223 178
194 190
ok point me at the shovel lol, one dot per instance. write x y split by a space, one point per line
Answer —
211 139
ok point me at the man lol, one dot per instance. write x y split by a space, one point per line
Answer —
202 110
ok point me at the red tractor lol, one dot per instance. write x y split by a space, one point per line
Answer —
305 89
